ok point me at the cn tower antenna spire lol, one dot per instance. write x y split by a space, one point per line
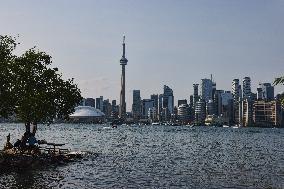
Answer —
123 63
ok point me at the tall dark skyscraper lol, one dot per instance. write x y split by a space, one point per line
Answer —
136 105
123 63
195 94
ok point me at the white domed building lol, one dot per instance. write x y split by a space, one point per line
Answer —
87 114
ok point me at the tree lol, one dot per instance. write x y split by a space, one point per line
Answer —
277 81
38 91
7 99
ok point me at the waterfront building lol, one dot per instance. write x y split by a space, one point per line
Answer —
265 91
267 113
236 91
123 63
146 105
168 99
206 89
136 105
200 111
183 113
90 102
87 114
246 87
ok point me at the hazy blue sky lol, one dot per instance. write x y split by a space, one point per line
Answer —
175 42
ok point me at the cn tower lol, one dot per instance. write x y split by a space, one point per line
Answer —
123 63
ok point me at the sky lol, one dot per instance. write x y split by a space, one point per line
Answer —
168 42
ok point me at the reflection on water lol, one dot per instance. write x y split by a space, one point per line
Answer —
156 157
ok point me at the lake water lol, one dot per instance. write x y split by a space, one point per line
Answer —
156 157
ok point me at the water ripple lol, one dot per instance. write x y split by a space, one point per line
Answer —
156 157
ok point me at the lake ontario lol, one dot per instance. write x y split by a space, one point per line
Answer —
154 157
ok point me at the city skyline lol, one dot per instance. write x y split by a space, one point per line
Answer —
168 43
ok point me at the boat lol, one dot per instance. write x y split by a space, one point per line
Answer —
155 123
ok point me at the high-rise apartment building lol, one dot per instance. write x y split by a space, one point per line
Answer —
246 87
200 111
236 93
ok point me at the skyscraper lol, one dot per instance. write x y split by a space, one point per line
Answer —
123 63
191 101
246 87
168 99
146 105
200 111
136 105
265 91
99 103
206 89
195 94
160 111
227 107
218 101
155 97
236 91
90 102
183 112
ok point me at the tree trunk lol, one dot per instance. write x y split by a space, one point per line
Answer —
28 127
34 128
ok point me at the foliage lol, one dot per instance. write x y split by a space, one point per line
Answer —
37 91
7 99
277 81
